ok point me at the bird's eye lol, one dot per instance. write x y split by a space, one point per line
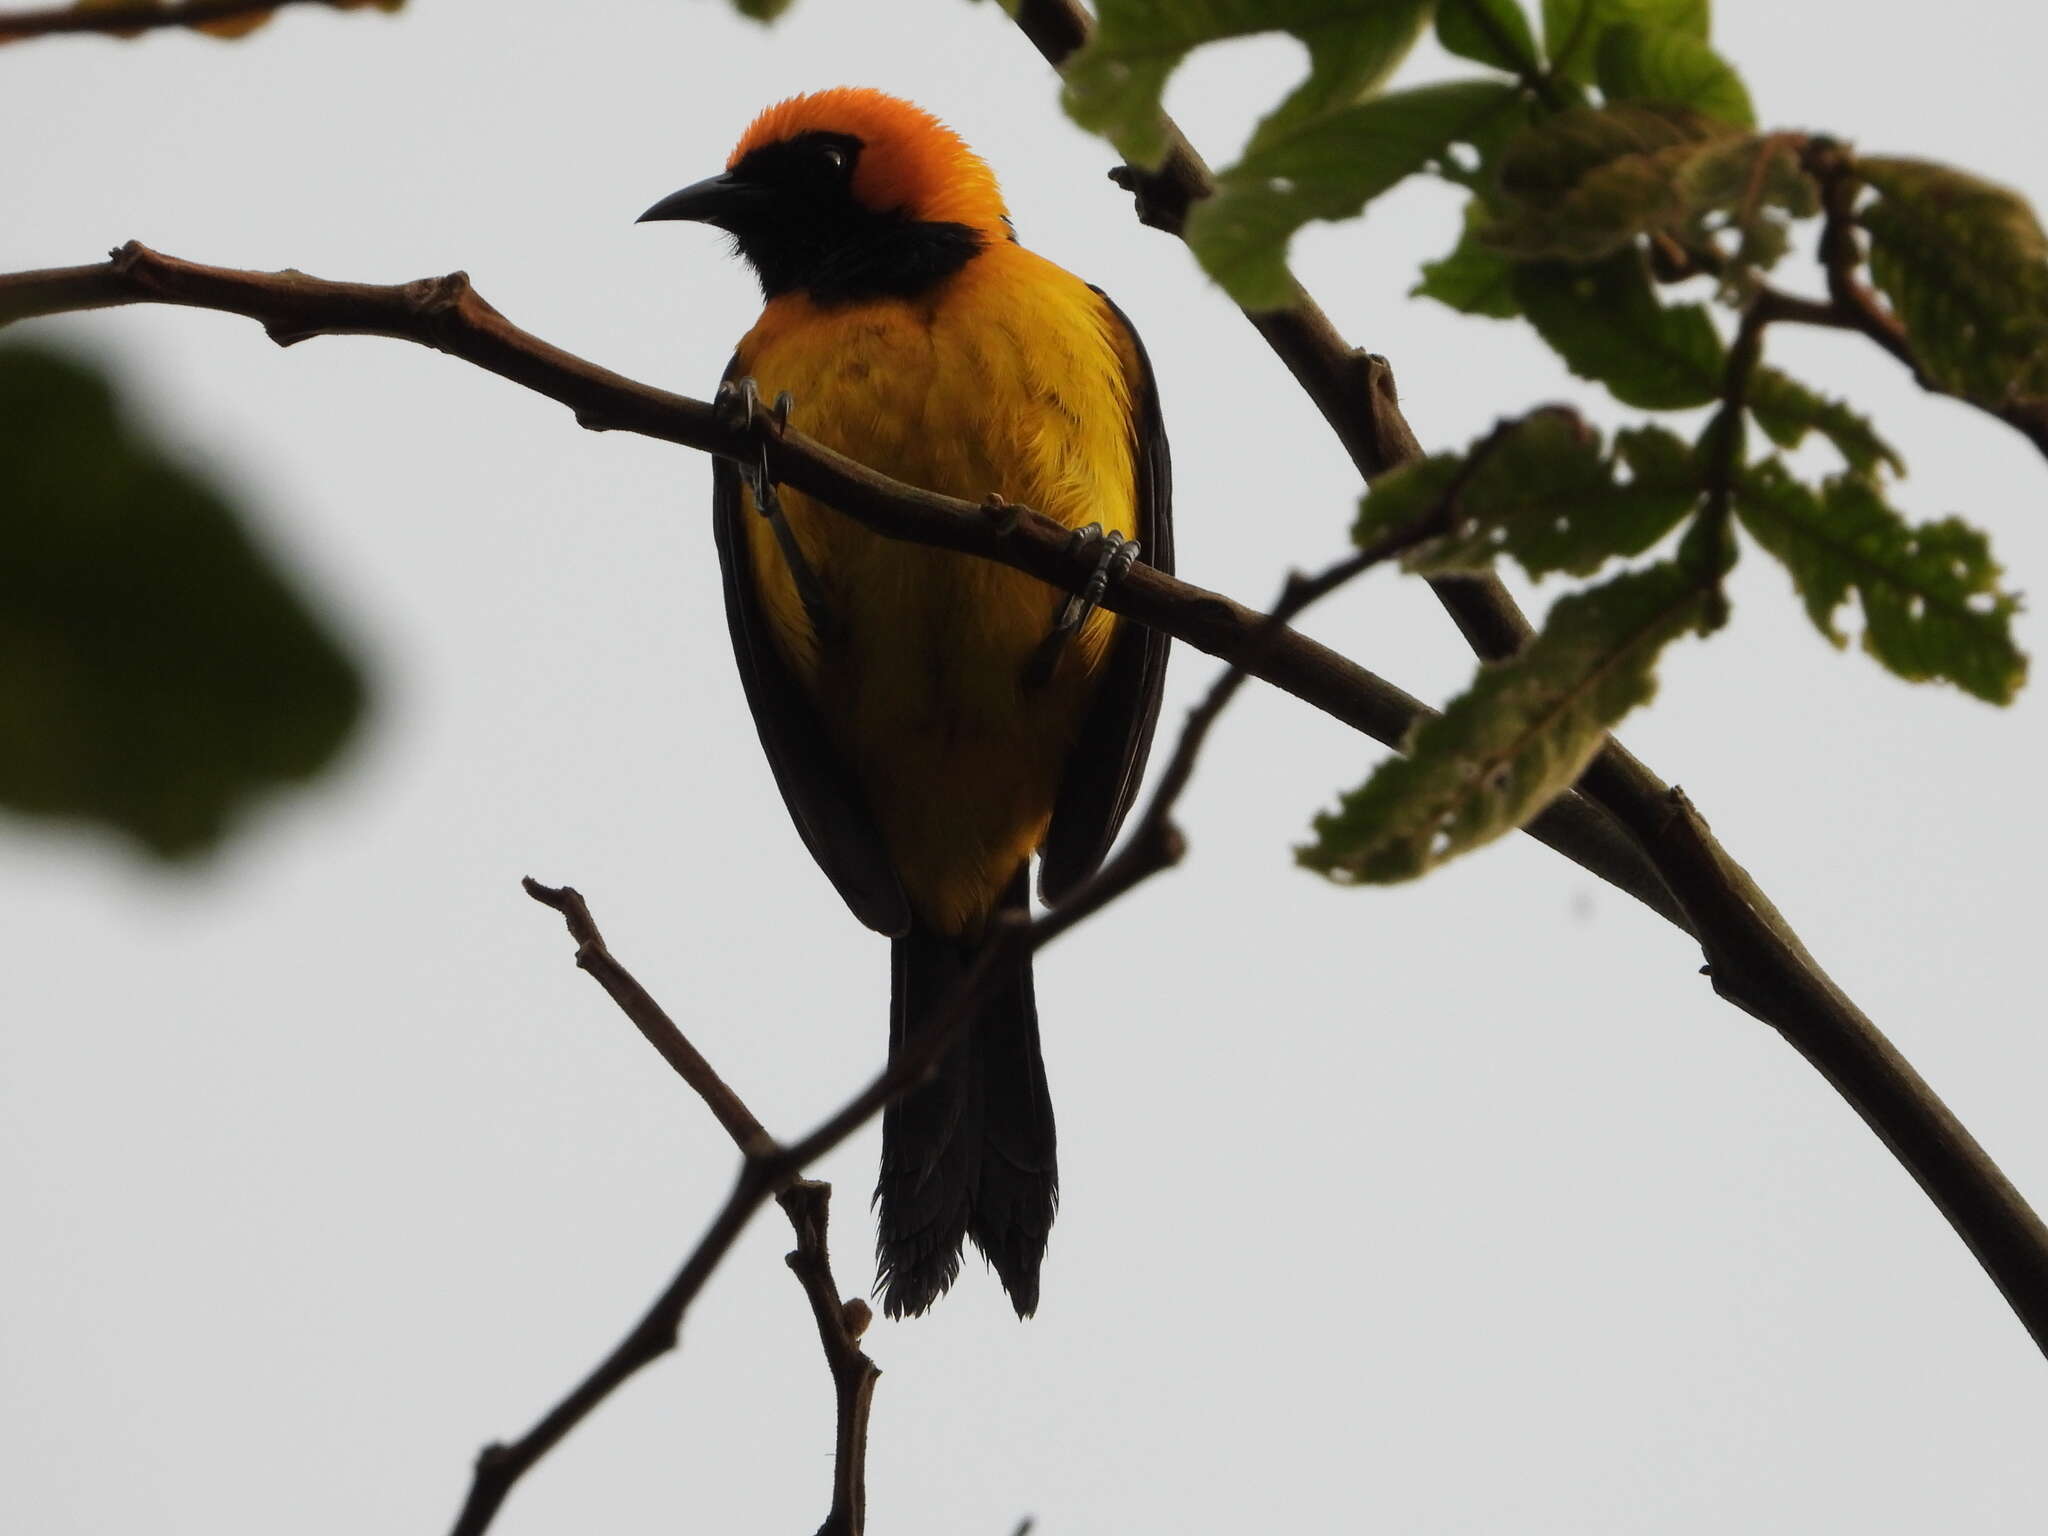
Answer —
834 157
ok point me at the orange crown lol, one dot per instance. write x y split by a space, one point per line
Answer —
909 160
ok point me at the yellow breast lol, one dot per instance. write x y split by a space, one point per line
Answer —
1014 378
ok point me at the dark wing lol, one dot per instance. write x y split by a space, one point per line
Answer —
1108 759
824 801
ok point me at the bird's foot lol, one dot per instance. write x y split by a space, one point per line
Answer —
739 401
1118 554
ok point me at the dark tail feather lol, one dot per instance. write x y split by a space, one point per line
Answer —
969 1153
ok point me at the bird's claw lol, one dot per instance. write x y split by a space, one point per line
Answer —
1118 555
739 400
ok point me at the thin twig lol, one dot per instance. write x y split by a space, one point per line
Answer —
447 314
144 16
841 1323
764 1170
1155 844
647 1015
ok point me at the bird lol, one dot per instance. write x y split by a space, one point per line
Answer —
934 721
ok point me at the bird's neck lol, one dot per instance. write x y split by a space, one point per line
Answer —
877 257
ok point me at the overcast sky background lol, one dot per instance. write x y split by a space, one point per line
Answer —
1455 1207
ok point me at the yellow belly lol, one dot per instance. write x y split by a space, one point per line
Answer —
1013 381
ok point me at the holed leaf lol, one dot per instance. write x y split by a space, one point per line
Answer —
1329 169
1583 182
1605 321
157 673
1965 264
1546 163
1516 739
1542 491
1787 410
1932 606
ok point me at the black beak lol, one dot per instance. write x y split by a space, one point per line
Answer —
715 200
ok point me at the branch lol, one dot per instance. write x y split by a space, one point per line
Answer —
1758 963
447 314
660 1031
140 16
764 1170
1755 958
1155 844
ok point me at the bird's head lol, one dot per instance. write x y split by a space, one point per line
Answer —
849 194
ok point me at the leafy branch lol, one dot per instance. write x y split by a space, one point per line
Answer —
1665 200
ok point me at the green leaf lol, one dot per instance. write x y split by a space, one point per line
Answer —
1605 322
1547 162
1474 161
1932 606
1114 84
1573 29
1787 410
1639 63
1516 739
157 673
761 10
1493 32
1402 498
1757 186
1349 59
1328 170
1541 491
1474 279
1964 262
1587 181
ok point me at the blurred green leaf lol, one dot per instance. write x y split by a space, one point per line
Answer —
1329 169
1474 279
157 673
1516 739
1639 63
1964 262
761 10
1605 321
1548 161
1113 85
1542 491
1493 32
1573 29
1348 60
1756 186
1403 497
1932 606
1586 181
1787 410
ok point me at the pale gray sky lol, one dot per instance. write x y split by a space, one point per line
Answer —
1457 1207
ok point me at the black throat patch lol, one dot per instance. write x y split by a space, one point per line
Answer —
811 236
